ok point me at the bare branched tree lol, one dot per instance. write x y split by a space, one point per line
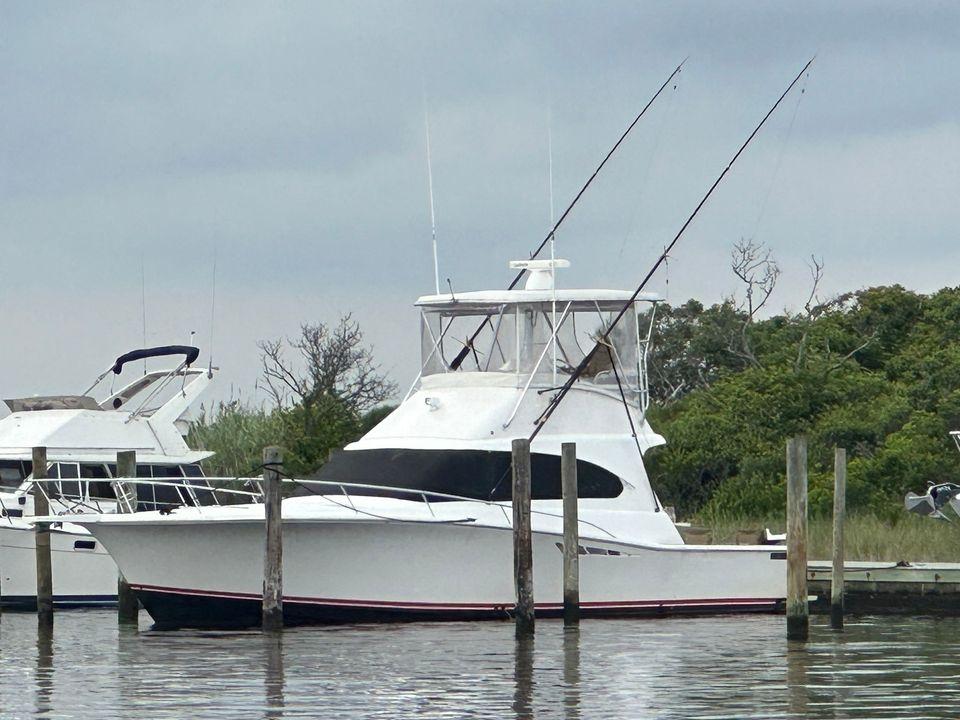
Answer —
756 268
333 362
813 306
754 265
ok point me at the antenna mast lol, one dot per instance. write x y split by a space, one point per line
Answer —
553 243
213 306
143 308
433 217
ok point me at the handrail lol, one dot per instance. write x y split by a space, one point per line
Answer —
422 493
342 486
72 503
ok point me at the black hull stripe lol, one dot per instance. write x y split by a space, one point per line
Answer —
175 610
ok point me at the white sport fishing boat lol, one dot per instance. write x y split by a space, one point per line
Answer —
82 437
413 521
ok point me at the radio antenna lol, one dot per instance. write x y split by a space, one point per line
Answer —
213 307
143 308
433 215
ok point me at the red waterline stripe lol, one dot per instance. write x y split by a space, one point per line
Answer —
464 606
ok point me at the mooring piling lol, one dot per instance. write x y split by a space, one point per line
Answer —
522 537
798 618
128 606
839 515
41 530
571 535
272 612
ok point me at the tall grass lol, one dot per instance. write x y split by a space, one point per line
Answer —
904 537
237 434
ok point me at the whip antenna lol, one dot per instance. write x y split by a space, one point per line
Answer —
213 307
462 355
143 308
553 241
603 339
433 216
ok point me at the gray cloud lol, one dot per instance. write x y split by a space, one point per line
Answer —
288 139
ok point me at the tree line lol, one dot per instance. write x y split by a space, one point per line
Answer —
876 371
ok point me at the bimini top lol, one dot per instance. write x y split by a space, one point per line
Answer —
189 352
494 298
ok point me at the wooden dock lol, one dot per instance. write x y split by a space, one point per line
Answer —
888 587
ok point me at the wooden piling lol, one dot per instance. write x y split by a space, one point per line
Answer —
798 619
128 606
272 618
571 534
839 515
41 507
522 537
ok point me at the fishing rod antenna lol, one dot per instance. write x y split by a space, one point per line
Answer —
601 341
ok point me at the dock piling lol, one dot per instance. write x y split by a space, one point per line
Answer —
272 614
41 531
839 515
522 537
798 618
571 535
128 606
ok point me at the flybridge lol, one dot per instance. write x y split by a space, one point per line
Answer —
536 337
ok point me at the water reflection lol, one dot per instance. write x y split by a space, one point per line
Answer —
273 679
44 676
571 672
797 661
732 667
523 676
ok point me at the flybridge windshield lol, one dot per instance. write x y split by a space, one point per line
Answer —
519 338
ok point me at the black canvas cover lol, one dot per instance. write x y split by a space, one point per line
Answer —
476 474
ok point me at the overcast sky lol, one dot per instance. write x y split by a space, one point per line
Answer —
287 139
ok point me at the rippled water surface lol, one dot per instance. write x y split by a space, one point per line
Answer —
730 667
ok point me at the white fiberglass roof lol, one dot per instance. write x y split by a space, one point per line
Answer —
92 435
503 297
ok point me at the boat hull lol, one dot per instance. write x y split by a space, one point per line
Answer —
84 575
209 574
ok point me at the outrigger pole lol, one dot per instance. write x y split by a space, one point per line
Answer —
602 341
462 355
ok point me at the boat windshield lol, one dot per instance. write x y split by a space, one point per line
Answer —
519 338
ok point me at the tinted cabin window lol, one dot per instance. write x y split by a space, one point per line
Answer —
69 479
11 473
145 493
474 474
99 483
194 476
53 488
166 495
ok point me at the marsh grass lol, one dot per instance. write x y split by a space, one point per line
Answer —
904 537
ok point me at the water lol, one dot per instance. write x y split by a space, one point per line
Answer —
729 667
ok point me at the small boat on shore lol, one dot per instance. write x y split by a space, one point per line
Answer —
414 520
82 437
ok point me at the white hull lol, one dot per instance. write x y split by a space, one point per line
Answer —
81 575
354 570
